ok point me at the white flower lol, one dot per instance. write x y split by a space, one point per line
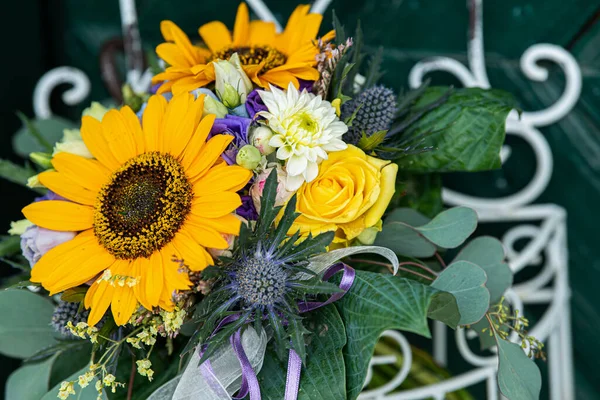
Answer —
72 142
305 128
231 82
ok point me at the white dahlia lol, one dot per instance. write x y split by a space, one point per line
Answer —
305 128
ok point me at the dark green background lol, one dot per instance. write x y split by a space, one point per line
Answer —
40 35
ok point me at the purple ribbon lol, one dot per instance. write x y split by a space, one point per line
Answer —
249 380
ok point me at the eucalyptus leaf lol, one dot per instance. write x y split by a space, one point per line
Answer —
9 245
450 228
323 261
87 393
466 281
466 131
377 302
226 368
323 374
29 382
40 135
404 240
488 253
407 215
24 323
518 376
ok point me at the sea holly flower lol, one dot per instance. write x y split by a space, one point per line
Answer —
260 282
153 191
267 57
305 129
350 195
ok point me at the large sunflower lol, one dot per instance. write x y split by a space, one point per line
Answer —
156 192
267 57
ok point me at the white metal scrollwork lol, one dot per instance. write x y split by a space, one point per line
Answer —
547 241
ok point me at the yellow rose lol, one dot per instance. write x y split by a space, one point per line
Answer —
350 194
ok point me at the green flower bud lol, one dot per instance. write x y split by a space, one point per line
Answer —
19 227
211 106
229 96
260 139
368 236
248 157
41 159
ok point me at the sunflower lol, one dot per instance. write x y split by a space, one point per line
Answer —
266 57
155 196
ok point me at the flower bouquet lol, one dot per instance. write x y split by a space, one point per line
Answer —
250 225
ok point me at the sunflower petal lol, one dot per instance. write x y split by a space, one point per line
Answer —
88 173
152 122
222 179
66 188
93 137
102 298
192 254
215 205
60 215
205 236
123 304
215 35
120 141
262 33
152 277
226 224
197 141
208 155
241 27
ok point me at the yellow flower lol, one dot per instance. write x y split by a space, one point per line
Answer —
155 192
350 194
266 56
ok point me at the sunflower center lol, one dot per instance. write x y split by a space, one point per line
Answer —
253 55
143 206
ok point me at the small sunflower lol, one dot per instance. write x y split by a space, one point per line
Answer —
155 192
266 56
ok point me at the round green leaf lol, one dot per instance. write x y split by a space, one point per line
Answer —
488 253
30 382
50 130
518 376
405 240
407 215
450 228
24 323
466 281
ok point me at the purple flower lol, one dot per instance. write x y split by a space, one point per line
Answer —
254 103
247 209
237 127
50 195
36 241
308 85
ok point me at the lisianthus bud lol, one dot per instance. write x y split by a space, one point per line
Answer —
41 159
260 137
212 106
231 82
248 157
259 183
96 110
36 241
72 142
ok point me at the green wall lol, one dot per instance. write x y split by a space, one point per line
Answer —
39 35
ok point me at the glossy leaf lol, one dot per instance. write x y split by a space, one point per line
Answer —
466 281
323 375
450 228
488 253
377 302
466 132
24 323
518 376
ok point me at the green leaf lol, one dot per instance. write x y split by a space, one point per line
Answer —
369 143
405 240
40 135
87 393
487 339
488 253
518 376
407 215
29 382
15 173
323 375
466 132
466 281
24 323
450 228
74 295
423 192
9 245
375 303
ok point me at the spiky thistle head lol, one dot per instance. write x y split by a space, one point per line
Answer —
66 312
373 111
265 278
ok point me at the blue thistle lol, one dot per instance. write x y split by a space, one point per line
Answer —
261 282
374 110
66 312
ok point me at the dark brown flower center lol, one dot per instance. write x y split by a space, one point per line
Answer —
253 55
143 206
